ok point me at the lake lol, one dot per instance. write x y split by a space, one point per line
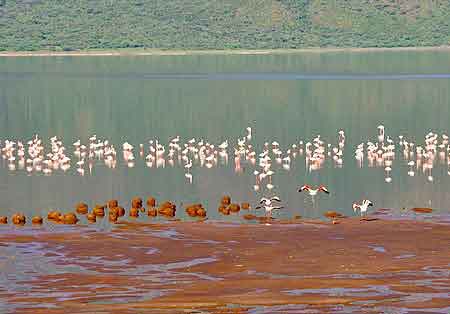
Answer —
366 125
285 98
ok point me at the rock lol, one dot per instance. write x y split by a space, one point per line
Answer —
99 211
422 210
201 212
113 217
226 200
91 217
81 208
195 210
70 219
152 212
134 212
250 217
118 211
167 209
333 214
167 204
234 208
114 211
224 210
136 202
54 215
37 220
151 202
18 219
297 217
113 203
191 211
245 205
3 220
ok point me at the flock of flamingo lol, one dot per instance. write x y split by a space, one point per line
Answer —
35 157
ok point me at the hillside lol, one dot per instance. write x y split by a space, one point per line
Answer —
221 24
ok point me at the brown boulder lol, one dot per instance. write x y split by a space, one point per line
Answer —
118 211
226 200
134 212
201 212
18 219
81 208
152 212
136 202
54 215
169 212
224 210
99 210
37 220
234 208
70 219
195 210
3 220
113 217
167 209
112 203
167 204
245 205
91 217
151 202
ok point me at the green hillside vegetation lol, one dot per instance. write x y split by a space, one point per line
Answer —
221 24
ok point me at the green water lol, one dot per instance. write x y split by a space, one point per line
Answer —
286 97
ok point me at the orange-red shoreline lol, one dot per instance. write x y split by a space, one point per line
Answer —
297 262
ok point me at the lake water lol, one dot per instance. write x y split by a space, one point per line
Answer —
286 98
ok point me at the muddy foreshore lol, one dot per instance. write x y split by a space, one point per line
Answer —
299 266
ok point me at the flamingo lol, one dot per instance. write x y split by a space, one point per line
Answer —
268 206
312 191
268 201
363 207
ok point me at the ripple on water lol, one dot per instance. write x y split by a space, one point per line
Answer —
405 256
369 291
378 248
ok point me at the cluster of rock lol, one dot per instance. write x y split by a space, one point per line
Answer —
167 209
196 210
226 207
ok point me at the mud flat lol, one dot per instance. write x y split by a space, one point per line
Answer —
296 266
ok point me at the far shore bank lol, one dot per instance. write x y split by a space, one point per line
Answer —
160 52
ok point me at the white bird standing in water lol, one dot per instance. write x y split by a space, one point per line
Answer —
312 191
268 206
363 207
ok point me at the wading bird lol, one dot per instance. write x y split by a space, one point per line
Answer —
312 191
363 207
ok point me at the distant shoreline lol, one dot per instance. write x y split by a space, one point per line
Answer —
160 52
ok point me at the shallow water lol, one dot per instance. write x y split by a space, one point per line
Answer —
286 98
215 268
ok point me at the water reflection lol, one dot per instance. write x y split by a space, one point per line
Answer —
75 98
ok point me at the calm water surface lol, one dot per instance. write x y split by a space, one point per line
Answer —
284 98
